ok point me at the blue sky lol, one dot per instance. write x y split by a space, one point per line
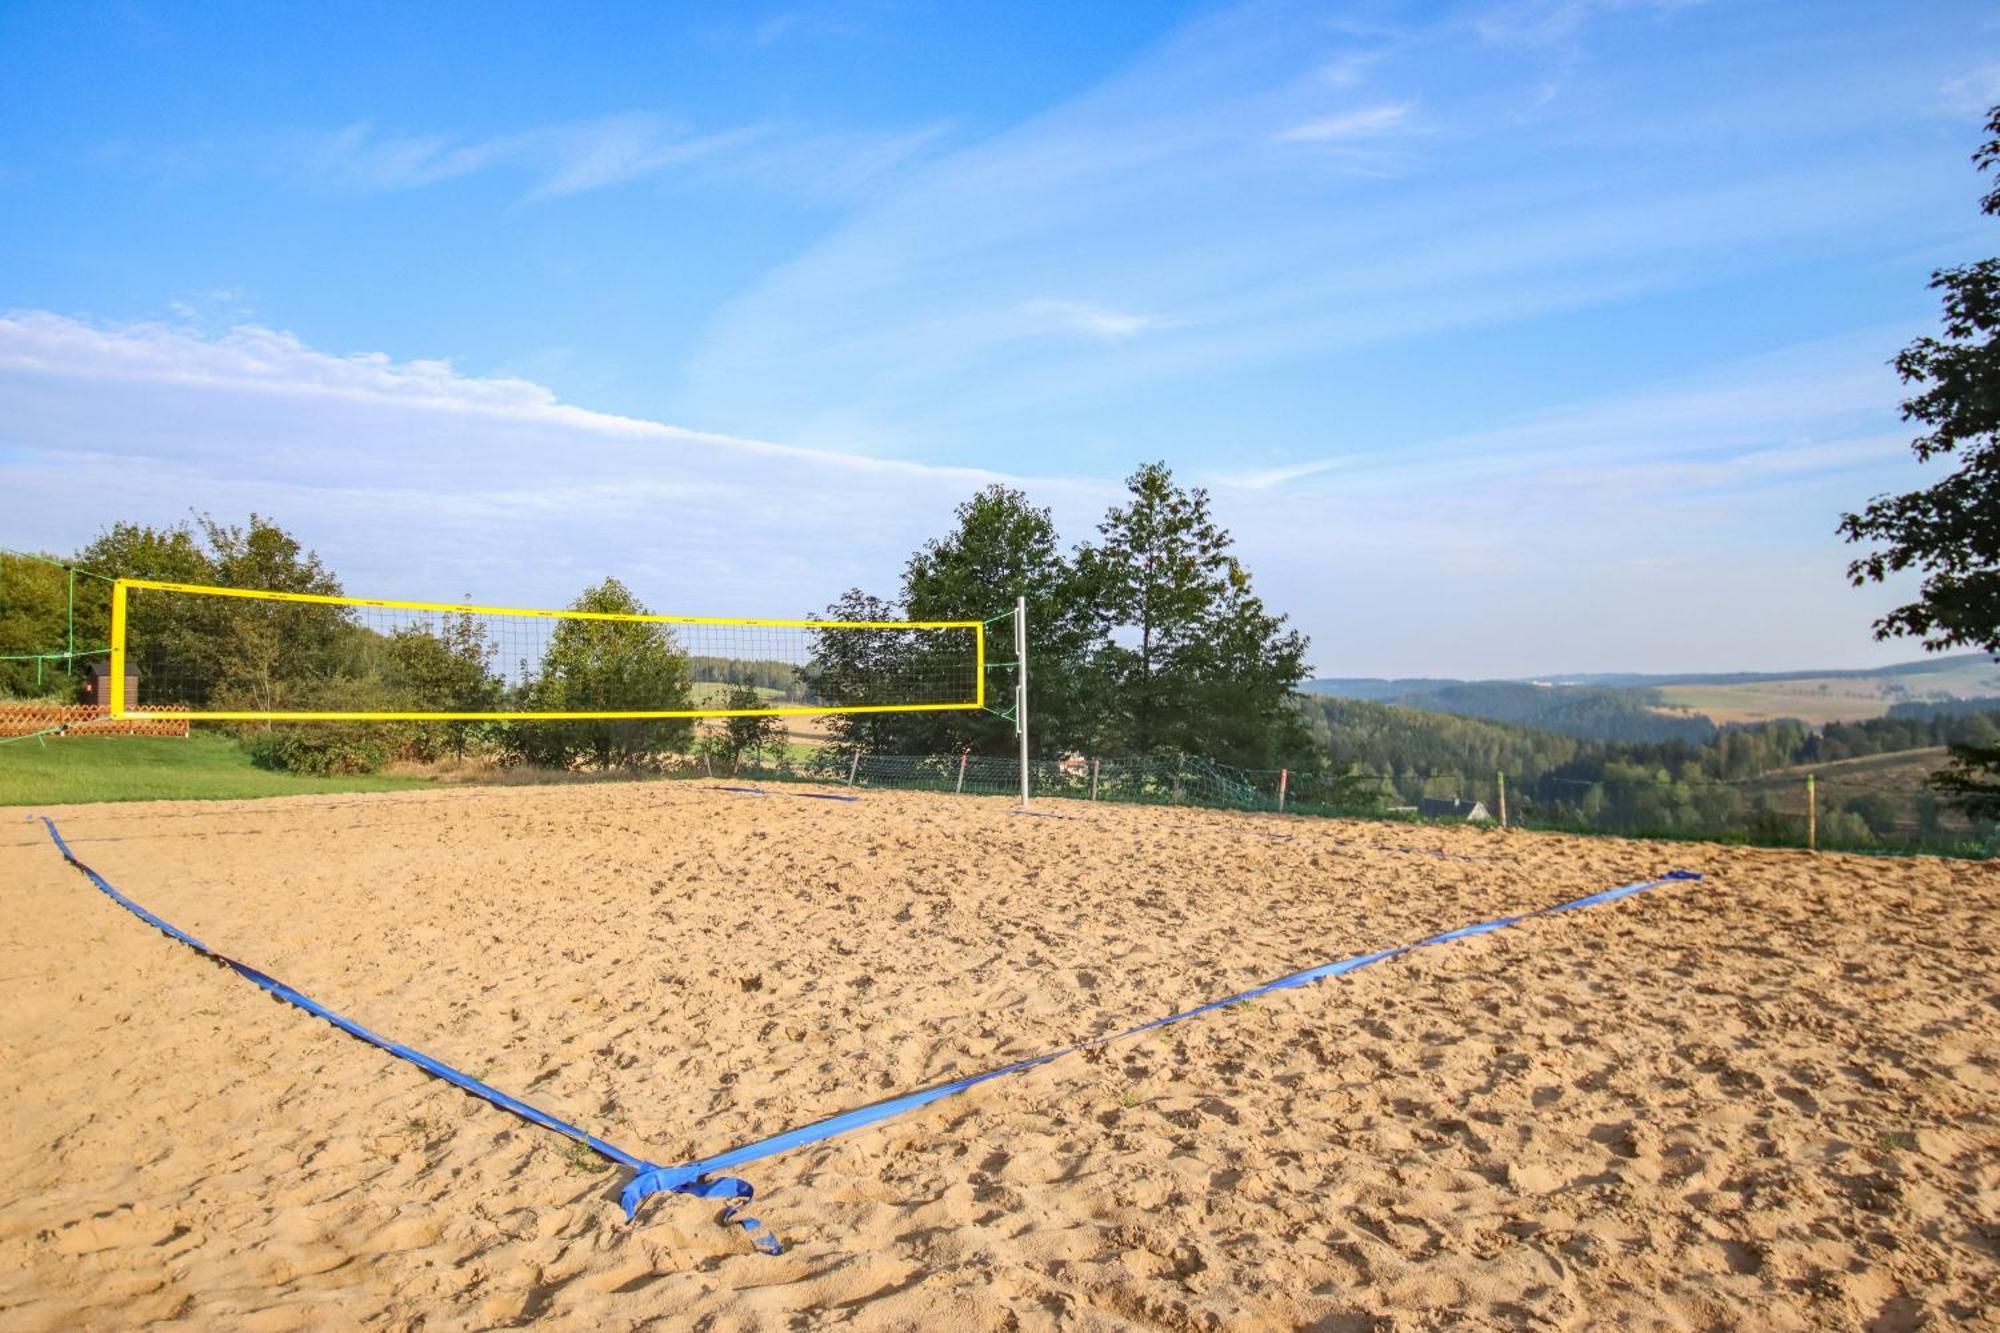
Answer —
1513 336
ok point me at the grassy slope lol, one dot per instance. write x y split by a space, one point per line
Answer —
113 768
1900 775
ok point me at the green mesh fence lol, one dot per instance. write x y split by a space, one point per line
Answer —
1755 812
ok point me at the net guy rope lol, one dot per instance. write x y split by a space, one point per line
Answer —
703 1179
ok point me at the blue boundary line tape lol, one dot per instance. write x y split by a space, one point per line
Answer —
737 1192
701 1179
675 1178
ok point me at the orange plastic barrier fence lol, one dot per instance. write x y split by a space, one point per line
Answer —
25 719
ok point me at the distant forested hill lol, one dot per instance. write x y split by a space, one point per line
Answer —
1944 664
1587 712
1416 751
1741 779
1681 707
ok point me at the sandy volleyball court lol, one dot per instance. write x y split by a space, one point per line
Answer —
1765 1100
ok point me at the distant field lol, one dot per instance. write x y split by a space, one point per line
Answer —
1822 699
711 693
1814 701
203 767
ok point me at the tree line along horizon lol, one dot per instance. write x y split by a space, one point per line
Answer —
1206 670
1149 641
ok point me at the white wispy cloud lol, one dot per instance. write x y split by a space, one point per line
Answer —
559 159
1972 93
1348 68
1263 479
265 362
818 163
812 21
1099 321
775 27
1364 123
1817 407
1548 22
409 473
903 326
626 149
418 480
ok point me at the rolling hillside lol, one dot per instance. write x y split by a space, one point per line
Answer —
1844 696
1896 778
1685 707
1587 712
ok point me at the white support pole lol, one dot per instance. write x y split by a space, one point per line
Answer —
964 756
1021 688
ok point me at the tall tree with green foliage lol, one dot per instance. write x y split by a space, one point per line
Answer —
162 639
609 665
446 665
1001 548
35 620
850 667
273 655
1004 548
259 655
1950 530
747 737
1195 661
173 554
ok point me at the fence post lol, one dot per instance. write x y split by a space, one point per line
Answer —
1812 813
853 767
1284 780
707 767
1093 777
1503 799
963 756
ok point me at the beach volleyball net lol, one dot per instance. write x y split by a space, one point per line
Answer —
234 654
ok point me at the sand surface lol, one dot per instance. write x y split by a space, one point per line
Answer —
1765 1100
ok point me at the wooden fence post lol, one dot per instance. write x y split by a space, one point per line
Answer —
1093 777
853 768
1503 799
963 756
1812 813
1284 780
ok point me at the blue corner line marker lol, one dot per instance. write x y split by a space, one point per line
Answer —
702 1179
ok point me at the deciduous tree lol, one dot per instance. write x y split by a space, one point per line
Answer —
609 665
1950 530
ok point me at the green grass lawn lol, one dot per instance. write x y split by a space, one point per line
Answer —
74 769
